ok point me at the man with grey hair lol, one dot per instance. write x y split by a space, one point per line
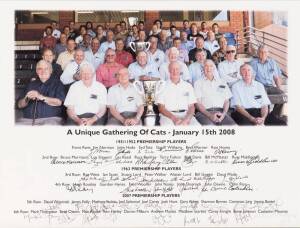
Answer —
142 69
229 69
71 72
250 101
176 101
125 104
184 73
86 99
213 96
268 73
42 100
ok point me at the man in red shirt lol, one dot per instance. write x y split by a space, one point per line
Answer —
122 57
48 41
106 73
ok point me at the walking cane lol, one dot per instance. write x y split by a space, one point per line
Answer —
34 112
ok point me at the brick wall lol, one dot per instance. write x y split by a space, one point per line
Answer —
262 19
150 17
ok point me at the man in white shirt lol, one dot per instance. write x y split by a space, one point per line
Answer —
86 99
141 69
125 104
93 55
72 70
67 56
155 55
109 43
211 43
229 69
213 96
176 102
173 55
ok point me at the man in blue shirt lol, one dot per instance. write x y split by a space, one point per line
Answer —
268 73
42 100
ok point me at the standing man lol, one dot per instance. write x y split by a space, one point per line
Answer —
176 102
72 70
107 72
93 55
155 55
67 56
142 69
213 96
229 69
125 104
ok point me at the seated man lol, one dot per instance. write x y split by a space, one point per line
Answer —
199 45
86 99
93 55
268 73
67 56
250 100
211 43
123 57
155 55
176 102
43 98
106 72
71 72
49 56
213 96
173 55
125 104
229 69
141 69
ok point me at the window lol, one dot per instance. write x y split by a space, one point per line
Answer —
35 17
209 15
171 15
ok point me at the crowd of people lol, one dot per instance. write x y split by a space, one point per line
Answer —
85 77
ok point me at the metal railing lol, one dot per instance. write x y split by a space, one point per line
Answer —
249 39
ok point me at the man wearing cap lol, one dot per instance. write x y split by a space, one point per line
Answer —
176 101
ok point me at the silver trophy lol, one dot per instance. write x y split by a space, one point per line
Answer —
139 46
149 89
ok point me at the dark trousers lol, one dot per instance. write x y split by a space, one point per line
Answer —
256 112
204 120
100 121
277 97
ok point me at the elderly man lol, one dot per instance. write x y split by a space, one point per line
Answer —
229 69
67 56
125 104
86 99
268 73
86 42
250 99
106 73
71 72
196 69
176 102
109 43
155 55
122 57
42 100
142 69
173 57
199 45
93 55
220 54
213 96
211 43
163 43
183 54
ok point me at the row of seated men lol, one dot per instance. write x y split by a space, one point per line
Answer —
87 99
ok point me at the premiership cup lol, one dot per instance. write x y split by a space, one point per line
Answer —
139 46
149 89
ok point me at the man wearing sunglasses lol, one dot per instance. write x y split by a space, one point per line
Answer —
229 69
